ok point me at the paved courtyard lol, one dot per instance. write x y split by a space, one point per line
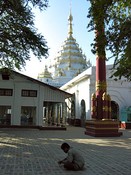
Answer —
36 152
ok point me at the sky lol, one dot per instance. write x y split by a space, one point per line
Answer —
52 23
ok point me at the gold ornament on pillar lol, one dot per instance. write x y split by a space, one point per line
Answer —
101 85
93 105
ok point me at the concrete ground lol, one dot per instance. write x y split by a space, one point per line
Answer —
36 152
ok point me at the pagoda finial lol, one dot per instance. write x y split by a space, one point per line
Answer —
70 19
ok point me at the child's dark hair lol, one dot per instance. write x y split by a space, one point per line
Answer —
65 145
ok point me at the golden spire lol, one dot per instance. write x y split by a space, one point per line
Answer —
70 19
45 74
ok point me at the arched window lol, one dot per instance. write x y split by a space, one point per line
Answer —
114 110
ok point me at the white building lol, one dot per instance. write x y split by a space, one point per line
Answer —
83 86
25 101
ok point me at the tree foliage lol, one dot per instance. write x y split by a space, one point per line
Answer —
18 35
117 32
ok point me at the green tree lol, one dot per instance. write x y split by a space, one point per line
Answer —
116 35
18 35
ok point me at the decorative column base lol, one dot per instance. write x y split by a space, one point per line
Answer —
102 128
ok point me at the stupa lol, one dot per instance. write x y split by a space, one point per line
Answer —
69 62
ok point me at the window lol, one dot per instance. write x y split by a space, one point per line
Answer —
6 92
5 115
29 93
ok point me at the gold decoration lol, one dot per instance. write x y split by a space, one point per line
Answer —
93 97
105 108
45 74
101 85
78 54
109 109
70 19
101 57
93 109
104 96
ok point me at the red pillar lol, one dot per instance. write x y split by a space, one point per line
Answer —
102 125
100 84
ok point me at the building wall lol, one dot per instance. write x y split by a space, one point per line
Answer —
17 102
82 91
120 91
80 86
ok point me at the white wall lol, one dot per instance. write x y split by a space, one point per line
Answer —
16 101
120 91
